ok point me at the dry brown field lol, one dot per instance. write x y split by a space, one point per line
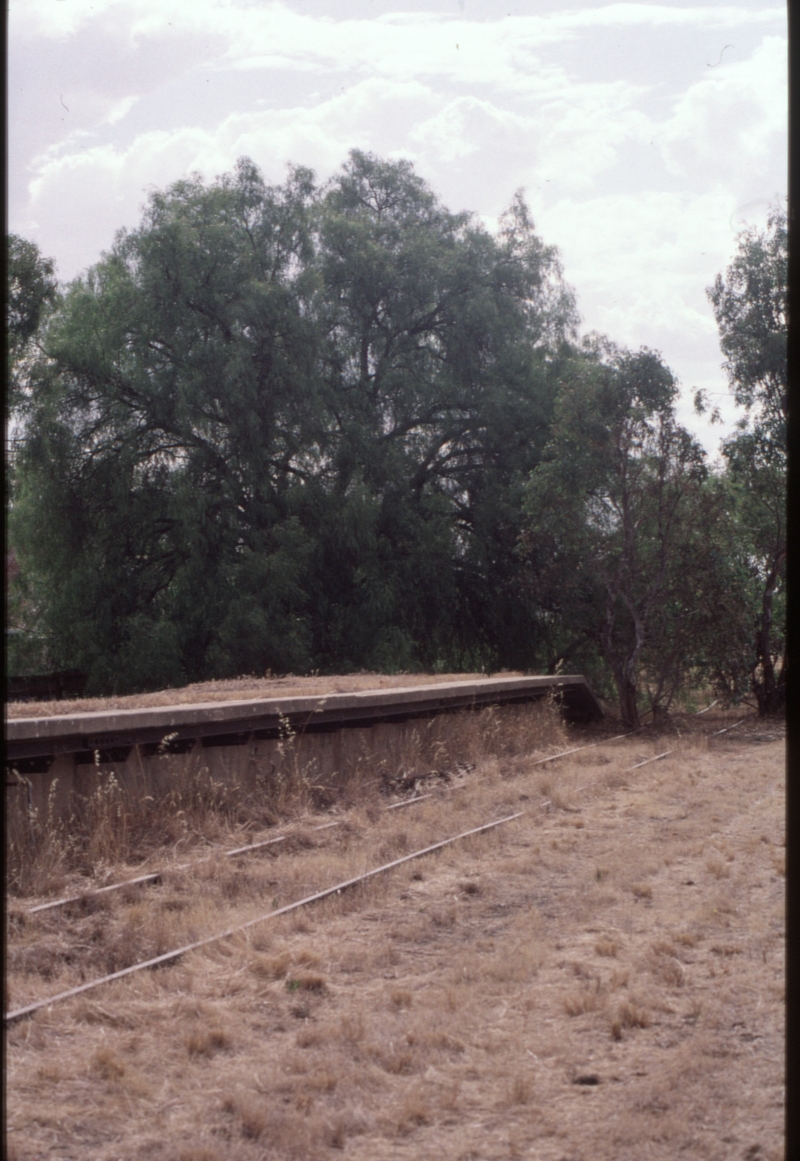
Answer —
601 979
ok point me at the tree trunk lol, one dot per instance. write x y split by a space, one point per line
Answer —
770 693
624 669
625 682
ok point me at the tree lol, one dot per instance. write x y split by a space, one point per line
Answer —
611 544
750 306
161 457
287 427
437 371
32 291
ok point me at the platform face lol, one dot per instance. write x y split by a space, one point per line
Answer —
73 733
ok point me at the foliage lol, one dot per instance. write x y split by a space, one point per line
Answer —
750 306
31 293
286 428
612 536
31 289
296 427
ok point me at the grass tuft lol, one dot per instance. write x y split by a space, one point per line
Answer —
307 982
629 1016
606 947
206 1041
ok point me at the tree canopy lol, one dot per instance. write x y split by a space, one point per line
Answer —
295 427
612 536
284 428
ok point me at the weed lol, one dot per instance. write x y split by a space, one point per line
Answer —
309 1038
351 1028
666 967
411 1112
520 1091
686 939
271 967
335 1134
717 867
443 916
253 1118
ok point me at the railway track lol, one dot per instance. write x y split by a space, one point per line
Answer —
306 900
318 896
153 877
156 876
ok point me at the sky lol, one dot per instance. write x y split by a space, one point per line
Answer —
645 135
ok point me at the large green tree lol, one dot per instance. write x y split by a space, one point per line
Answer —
750 306
288 427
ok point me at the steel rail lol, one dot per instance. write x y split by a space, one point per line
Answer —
154 876
616 738
167 957
715 734
666 752
576 749
727 728
653 759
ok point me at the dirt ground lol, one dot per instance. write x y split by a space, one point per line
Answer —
239 688
600 980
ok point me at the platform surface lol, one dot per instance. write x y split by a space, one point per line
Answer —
72 732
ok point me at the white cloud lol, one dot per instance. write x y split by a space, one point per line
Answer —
659 251
467 125
641 265
462 51
655 15
53 20
727 126
583 133
86 192
245 22
120 110
642 176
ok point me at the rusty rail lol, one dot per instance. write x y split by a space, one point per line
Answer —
155 876
168 957
630 733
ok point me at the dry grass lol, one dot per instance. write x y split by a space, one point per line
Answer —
242 689
473 1004
606 947
116 830
629 1016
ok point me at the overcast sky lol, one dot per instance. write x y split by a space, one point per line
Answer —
645 134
